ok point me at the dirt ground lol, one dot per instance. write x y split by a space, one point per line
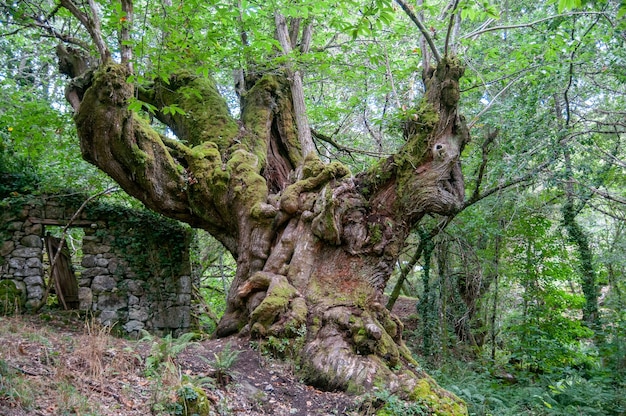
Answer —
60 364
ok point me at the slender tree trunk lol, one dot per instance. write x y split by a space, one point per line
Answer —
494 307
425 307
404 273
578 237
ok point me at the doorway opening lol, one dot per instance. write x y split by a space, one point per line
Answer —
64 274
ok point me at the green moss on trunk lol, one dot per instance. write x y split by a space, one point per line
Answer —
205 116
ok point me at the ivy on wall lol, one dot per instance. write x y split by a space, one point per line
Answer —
151 244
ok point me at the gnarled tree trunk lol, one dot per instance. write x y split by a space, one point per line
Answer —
314 251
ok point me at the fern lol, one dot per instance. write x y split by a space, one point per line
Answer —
223 362
165 350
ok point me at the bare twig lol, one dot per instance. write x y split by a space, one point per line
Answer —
332 142
491 102
529 24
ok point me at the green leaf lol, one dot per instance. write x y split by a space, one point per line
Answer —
569 5
138 105
173 109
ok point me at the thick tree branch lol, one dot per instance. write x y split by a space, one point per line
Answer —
409 12
294 31
485 148
297 89
92 24
125 45
451 24
307 37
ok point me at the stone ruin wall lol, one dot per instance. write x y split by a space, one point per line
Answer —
114 290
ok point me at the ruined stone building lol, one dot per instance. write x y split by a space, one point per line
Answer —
131 267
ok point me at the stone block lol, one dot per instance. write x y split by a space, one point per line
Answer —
111 302
184 284
183 299
135 287
34 292
85 297
88 261
114 266
33 241
17 262
26 252
84 282
92 247
36 229
15 226
102 262
104 283
33 280
34 262
140 314
133 300
54 212
34 212
27 271
174 317
6 248
108 317
132 326
94 271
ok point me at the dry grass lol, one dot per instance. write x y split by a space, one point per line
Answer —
58 364
60 368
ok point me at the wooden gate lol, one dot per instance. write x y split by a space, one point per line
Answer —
62 273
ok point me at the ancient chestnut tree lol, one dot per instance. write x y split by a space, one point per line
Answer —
314 243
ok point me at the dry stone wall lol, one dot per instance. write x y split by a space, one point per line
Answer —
134 272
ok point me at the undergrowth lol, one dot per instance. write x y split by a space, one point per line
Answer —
568 392
54 370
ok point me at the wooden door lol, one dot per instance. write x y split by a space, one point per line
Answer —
62 273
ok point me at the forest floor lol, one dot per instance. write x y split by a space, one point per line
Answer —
61 364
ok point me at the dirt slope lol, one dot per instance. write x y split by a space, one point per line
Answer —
63 364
